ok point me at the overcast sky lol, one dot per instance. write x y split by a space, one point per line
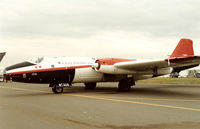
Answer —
96 28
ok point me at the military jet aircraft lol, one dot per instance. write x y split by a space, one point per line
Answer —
61 72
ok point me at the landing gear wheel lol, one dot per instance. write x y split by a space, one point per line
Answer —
124 86
90 86
57 89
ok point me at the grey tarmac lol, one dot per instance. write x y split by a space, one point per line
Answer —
146 106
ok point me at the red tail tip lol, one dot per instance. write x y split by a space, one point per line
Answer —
183 49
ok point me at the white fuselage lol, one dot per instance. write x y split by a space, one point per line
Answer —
71 70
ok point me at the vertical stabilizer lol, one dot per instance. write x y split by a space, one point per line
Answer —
2 54
183 49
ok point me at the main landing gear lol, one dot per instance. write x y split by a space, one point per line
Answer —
90 86
125 84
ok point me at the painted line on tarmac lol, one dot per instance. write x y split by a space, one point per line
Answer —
109 99
135 98
135 102
138 98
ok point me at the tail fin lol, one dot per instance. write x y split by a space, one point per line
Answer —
183 49
2 55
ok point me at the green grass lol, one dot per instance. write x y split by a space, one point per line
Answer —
166 80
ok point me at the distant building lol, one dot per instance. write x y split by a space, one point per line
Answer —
193 73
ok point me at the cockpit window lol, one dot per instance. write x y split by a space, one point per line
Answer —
30 62
36 60
19 65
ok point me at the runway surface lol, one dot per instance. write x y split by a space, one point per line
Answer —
146 106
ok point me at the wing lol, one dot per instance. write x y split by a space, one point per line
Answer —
176 63
142 64
181 58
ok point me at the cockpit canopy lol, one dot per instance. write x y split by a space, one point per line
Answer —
36 60
19 65
30 62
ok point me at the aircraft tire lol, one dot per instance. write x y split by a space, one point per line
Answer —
124 85
90 86
57 90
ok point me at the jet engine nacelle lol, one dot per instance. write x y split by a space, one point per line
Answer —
107 66
164 71
109 69
104 67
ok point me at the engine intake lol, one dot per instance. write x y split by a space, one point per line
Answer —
106 65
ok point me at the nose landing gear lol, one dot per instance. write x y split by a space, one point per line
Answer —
58 87
57 90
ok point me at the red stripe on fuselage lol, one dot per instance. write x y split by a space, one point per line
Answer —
49 69
112 61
